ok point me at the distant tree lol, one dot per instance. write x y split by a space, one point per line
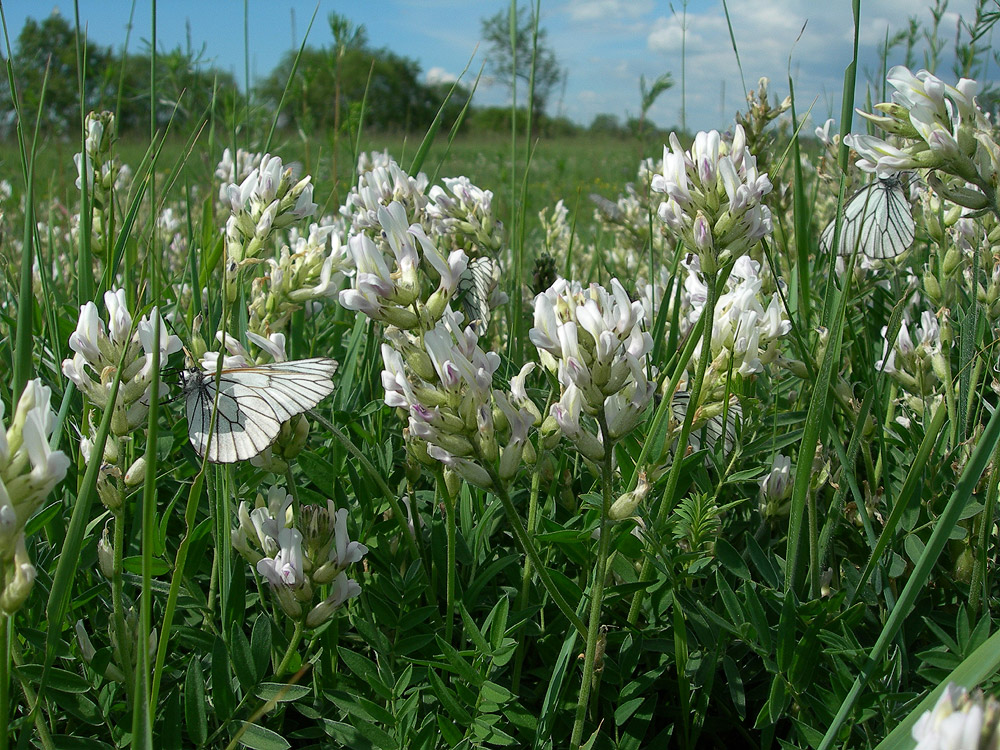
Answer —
112 81
329 77
605 124
51 44
510 65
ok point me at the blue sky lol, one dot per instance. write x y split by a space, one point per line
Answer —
605 45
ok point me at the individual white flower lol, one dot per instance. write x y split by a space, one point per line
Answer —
29 470
958 721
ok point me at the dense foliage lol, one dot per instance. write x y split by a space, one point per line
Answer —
703 458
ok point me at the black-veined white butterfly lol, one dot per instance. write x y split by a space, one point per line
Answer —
878 220
252 405
475 290
710 432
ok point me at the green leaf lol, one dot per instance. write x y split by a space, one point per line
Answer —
493 693
735 683
361 734
222 686
280 692
786 632
729 600
448 699
365 669
55 679
472 631
624 711
260 645
258 738
461 666
195 719
243 663
730 558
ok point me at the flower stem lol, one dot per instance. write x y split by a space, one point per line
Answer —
522 597
449 522
117 596
293 644
529 549
4 679
597 588
667 501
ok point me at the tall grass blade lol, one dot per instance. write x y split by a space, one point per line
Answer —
960 498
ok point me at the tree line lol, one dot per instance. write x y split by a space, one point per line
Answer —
342 85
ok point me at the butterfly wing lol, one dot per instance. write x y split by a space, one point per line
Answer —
475 289
253 402
877 219
890 229
710 432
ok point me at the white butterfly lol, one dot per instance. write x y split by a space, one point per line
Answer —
709 433
252 405
476 288
878 220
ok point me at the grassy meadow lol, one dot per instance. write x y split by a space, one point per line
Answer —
628 446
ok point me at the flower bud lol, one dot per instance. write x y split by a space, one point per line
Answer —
624 507
18 575
931 287
952 260
136 472
106 555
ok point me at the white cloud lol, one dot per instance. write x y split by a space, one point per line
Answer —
586 11
440 75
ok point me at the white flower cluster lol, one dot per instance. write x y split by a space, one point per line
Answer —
444 385
104 175
268 199
464 213
714 197
29 470
958 721
387 286
745 334
593 341
99 348
919 367
776 488
940 127
296 559
382 181
310 269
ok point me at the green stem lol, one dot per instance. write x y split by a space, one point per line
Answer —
707 318
814 576
449 522
293 644
529 549
43 733
976 587
180 562
522 597
4 679
118 608
597 588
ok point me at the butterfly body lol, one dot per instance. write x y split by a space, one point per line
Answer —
878 221
253 403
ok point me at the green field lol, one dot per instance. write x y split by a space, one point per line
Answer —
709 459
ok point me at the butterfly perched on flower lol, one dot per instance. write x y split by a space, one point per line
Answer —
476 289
878 220
253 402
